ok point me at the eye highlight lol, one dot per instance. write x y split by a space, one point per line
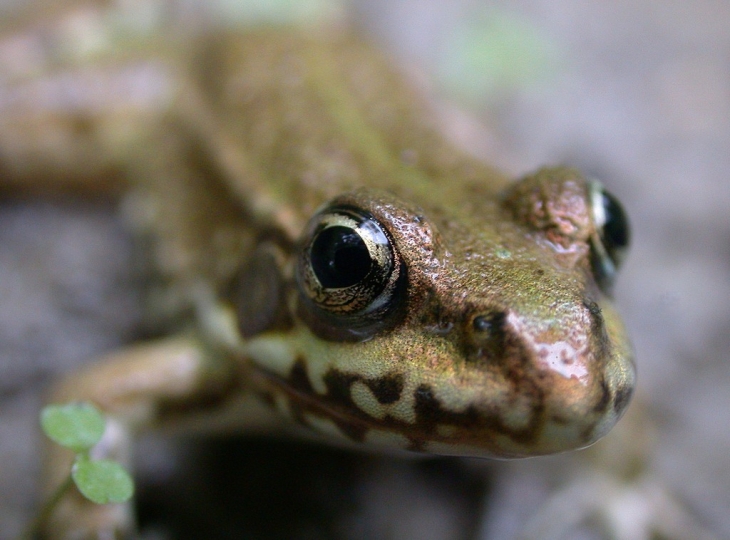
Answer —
348 274
610 243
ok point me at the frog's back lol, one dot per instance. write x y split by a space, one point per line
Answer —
319 115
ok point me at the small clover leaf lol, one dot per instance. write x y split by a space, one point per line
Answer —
77 426
80 426
102 481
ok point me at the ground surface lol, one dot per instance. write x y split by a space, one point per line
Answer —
638 93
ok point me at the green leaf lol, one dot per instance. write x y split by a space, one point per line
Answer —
77 426
103 481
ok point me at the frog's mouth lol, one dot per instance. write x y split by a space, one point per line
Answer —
435 429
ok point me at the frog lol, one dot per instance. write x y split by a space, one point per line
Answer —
327 262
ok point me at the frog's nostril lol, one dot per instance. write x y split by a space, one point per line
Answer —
487 335
482 324
488 324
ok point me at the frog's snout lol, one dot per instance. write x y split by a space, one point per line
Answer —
571 375
572 347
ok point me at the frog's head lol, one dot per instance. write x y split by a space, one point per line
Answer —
484 331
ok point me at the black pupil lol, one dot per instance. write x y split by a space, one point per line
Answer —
616 228
339 257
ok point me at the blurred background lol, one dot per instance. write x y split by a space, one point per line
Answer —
636 93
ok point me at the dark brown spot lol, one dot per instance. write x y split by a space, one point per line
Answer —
592 307
599 336
430 413
338 387
605 398
491 322
622 398
586 435
428 409
339 394
488 337
386 389
298 377
299 381
257 293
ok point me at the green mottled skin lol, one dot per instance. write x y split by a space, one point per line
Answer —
252 135
309 120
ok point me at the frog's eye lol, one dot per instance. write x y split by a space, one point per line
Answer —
348 274
611 241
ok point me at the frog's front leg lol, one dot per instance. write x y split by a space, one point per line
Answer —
133 388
